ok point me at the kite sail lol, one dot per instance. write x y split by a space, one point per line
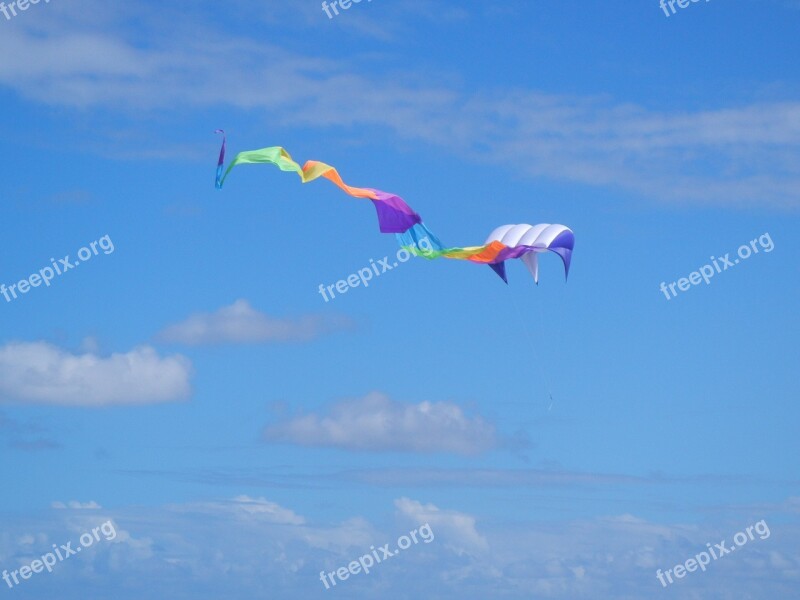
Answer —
395 216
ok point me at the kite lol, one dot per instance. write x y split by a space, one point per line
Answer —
521 241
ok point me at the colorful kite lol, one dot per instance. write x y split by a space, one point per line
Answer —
395 216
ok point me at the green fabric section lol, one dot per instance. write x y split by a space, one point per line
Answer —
274 155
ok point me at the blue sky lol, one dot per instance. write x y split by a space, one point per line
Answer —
565 440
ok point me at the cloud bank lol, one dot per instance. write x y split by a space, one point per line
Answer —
197 550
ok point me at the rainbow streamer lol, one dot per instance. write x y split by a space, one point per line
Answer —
395 216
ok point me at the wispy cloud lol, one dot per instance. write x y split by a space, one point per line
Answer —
240 323
243 506
728 155
377 423
550 480
490 478
75 505
34 445
41 373
27 436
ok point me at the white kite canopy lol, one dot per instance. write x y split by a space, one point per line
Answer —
532 239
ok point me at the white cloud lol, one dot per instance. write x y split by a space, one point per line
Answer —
40 373
376 423
241 323
263 508
259 509
455 528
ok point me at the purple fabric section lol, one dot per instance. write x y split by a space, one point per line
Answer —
565 239
507 253
563 245
565 252
394 215
218 181
221 150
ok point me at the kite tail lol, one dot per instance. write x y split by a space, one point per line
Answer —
395 216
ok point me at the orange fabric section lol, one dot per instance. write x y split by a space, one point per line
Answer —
313 169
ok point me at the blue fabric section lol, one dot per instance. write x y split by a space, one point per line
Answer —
566 256
420 240
565 239
500 269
